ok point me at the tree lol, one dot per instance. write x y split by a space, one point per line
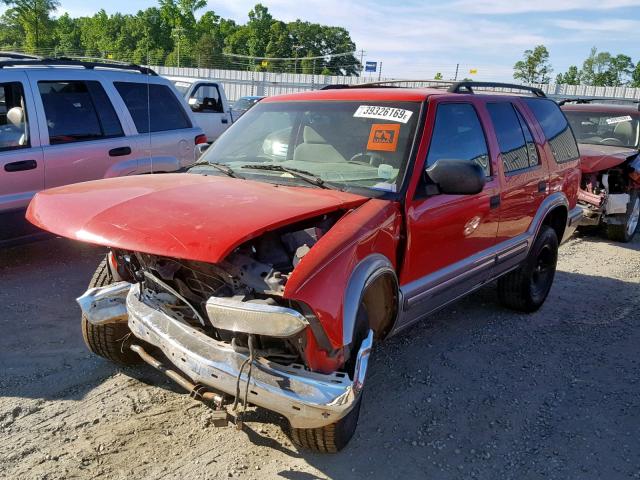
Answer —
35 18
534 66
635 76
570 77
438 76
604 70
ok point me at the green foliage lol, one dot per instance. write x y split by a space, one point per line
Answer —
438 76
570 77
534 66
635 76
604 70
179 32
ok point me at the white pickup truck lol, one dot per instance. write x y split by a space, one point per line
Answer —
208 103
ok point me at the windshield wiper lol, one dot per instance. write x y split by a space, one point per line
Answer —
301 174
226 169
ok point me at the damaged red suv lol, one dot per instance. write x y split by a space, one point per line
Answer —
319 224
608 135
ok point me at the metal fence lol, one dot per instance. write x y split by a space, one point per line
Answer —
238 83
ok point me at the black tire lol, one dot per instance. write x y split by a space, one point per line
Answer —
330 438
526 288
108 341
625 232
333 438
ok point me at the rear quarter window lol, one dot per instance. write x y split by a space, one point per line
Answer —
555 128
154 108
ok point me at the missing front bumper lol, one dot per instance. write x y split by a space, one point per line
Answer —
306 399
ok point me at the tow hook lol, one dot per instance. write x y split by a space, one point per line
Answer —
197 391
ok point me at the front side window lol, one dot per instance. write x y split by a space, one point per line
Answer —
510 132
555 128
458 135
605 128
208 99
348 144
153 107
14 128
78 111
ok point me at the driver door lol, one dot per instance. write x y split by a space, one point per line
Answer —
450 237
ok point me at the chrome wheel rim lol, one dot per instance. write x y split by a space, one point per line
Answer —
632 223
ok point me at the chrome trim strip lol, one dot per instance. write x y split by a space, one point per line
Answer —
307 399
512 251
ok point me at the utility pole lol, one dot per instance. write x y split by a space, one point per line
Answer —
177 32
295 60
362 52
380 72
455 79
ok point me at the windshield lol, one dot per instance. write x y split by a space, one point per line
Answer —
244 103
601 128
182 87
347 144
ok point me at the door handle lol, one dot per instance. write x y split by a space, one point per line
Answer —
494 201
542 187
225 120
20 166
120 151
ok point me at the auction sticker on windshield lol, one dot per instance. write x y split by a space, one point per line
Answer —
384 137
611 121
383 113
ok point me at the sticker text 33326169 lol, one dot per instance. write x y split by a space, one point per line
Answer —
383 113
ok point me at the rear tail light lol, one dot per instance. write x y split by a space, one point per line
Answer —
201 139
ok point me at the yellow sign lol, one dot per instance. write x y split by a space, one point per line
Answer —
110 55
473 71
265 63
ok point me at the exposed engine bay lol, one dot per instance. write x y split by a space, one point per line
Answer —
255 272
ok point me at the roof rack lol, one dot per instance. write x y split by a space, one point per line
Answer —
614 101
468 86
20 60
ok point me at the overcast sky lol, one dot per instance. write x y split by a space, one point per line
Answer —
419 38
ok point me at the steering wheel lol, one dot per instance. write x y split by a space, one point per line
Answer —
616 141
375 159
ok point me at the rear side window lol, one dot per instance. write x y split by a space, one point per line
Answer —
514 137
78 111
14 128
458 135
556 129
153 107
208 99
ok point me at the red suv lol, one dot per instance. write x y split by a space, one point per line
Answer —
608 134
318 224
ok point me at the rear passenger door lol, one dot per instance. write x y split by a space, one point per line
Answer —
524 176
83 138
208 109
21 166
163 129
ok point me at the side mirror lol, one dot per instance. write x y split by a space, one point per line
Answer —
200 149
456 177
194 103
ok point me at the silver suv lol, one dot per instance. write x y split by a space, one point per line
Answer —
65 121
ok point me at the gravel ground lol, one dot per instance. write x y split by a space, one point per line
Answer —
476 391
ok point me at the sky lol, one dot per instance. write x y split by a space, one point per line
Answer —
418 38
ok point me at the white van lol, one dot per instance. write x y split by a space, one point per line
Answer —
208 103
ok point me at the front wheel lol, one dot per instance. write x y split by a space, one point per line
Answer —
110 340
624 231
526 288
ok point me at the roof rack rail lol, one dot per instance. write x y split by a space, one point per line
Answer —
18 56
468 86
387 84
72 62
614 101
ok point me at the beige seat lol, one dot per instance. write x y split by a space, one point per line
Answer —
316 149
15 118
623 131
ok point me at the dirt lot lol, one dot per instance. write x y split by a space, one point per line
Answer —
475 392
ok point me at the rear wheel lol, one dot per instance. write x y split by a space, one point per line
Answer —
624 232
111 340
526 288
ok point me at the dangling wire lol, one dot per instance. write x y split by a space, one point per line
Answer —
248 361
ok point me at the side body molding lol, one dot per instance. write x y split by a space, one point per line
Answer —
366 272
432 292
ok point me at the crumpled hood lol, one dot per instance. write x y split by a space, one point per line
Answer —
595 158
185 216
